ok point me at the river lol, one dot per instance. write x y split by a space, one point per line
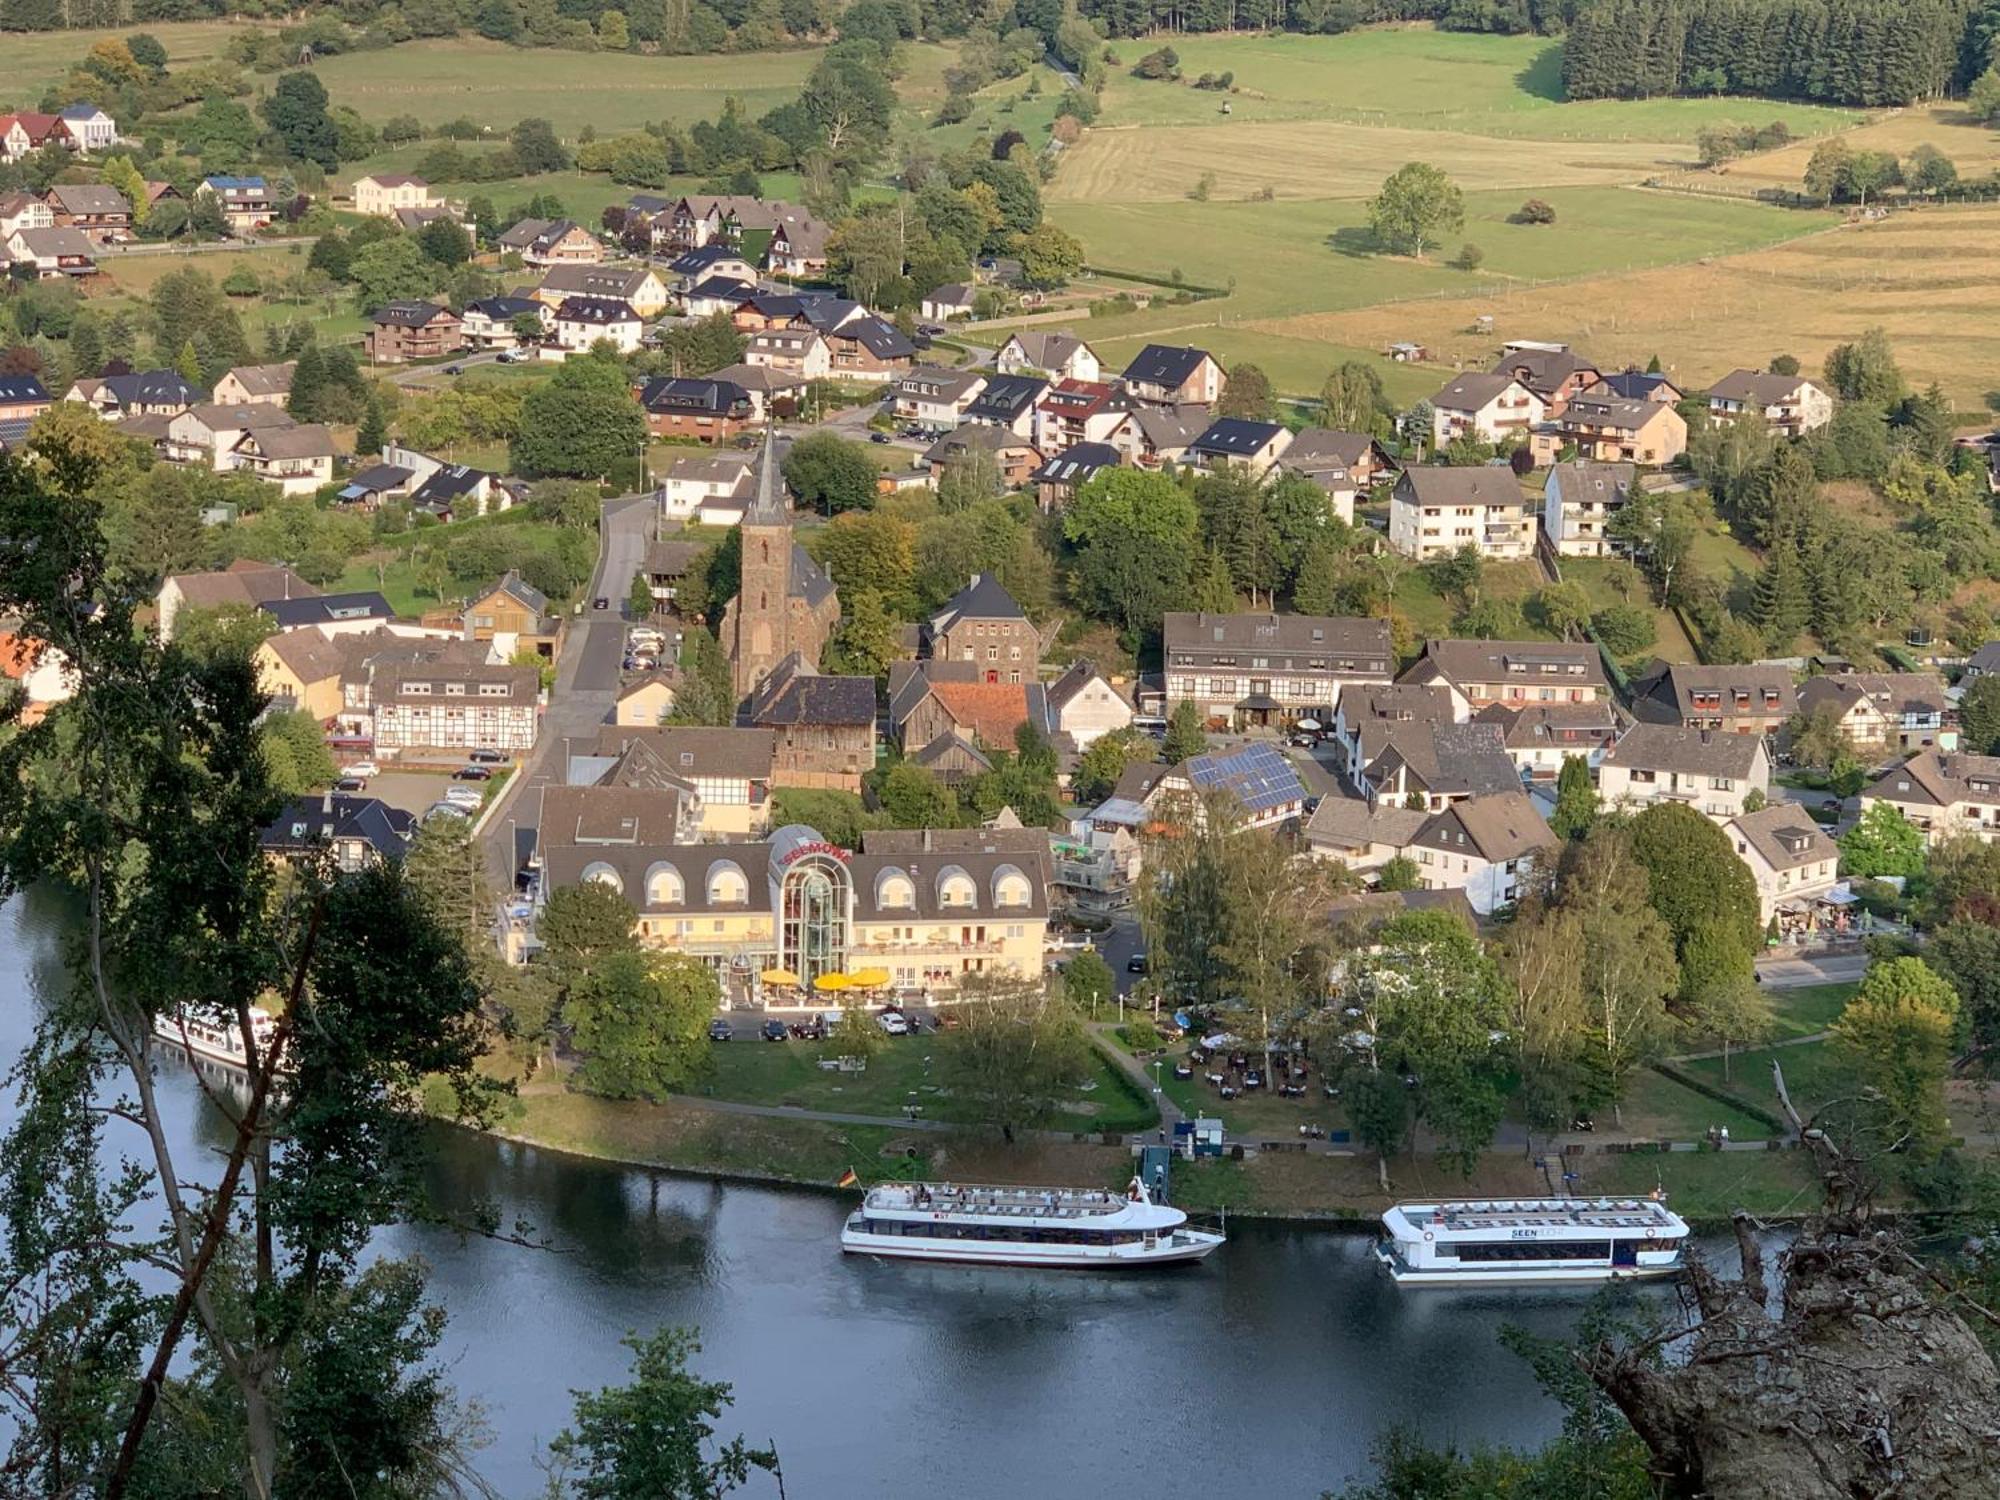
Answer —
1268 1370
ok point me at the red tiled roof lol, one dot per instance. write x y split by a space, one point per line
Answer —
991 710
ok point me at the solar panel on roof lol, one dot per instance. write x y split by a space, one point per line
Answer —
1257 776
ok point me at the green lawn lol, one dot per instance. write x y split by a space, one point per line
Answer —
1706 1184
1670 642
1810 1075
31 61
1659 1109
1417 77
1810 1008
903 1071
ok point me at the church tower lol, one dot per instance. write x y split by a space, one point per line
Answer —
760 620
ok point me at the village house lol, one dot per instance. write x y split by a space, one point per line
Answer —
207 432
296 458
1154 436
1512 672
416 220
699 407
1265 669
1484 847
1578 502
1015 458
89 128
55 254
1362 835
1260 786
1982 662
24 211
1436 764
1056 356
825 726
380 194
722 296
435 486
934 398
867 348
243 583
1944 793
1436 511
943 303
933 698
1486 408
981 623
40 676
552 242
1881 711
1707 770
638 285
1791 404
1342 465
584 322
512 607
1171 375
1539 737
796 351
693 267
666 566
489 323
798 246
1791 857
1750 699
1234 442
729 769
1369 713
1070 412
144 393
1613 429
1084 705
1553 373
22 399
1008 402
26 131
399 332
359 832
442 706
646 699
246 201
717 488
257 385
95 208
1639 385
1057 479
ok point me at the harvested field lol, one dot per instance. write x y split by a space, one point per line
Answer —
1974 148
1319 159
1921 274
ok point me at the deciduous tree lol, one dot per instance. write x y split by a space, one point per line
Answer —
1417 206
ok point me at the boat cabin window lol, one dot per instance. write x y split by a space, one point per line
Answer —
1507 1250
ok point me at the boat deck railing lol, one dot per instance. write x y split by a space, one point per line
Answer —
1027 1203
1578 1214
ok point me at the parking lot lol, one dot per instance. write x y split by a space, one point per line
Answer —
416 791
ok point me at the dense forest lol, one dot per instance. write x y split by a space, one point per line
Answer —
1865 52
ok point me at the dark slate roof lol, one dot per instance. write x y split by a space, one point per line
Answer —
883 340
1005 398
687 393
600 310
376 478
809 580
1075 465
22 388
291 613
828 313
450 482
981 599
154 388
1164 364
408 314
727 288
504 309
513 584
311 821
698 260
794 695
1636 385
1235 437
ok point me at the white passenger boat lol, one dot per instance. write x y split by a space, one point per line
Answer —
1016 1226
1528 1240
221 1042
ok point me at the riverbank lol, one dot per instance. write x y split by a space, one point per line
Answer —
697 1138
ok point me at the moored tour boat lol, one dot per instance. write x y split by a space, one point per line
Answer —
1531 1240
1015 1226
221 1042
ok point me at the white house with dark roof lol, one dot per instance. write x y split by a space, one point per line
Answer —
489 322
1943 793
934 398
716 487
1555 375
1059 356
1435 511
1437 764
1486 407
1369 713
1057 479
1362 835
943 303
1174 375
1512 672
1268 668
90 127
1707 770
1578 501
1008 402
1541 736
581 322
1882 711
1084 706
1228 441
1790 856
1791 404
1484 846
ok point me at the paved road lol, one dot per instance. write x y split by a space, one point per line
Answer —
1790 973
423 375
586 686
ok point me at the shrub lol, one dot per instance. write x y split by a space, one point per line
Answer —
1535 211
1469 258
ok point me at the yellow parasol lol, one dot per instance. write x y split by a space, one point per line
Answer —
832 982
779 976
869 979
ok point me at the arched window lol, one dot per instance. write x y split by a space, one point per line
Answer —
604 874
894 890
1011 887
664 886
955 888
727 885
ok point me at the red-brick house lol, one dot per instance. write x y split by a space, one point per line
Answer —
403 331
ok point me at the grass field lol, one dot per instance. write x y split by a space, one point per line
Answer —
493 84
1930 277
30 61
1415 77
1973 148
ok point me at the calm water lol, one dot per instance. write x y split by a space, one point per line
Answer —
1266 1371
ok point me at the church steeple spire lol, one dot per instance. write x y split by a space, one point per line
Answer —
769 508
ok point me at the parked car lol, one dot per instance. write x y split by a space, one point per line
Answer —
462 796
362 768
878 437
893 1023
454 369
512 356
602 601
718 1030
776 1031
437 808
1138 963
488 757
350 784
473 773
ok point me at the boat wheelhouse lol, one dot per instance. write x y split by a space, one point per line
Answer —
220 1041
1531 1240
1068 1227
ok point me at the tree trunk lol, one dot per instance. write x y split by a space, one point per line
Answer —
1382 1170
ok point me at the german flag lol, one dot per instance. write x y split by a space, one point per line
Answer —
847 1179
